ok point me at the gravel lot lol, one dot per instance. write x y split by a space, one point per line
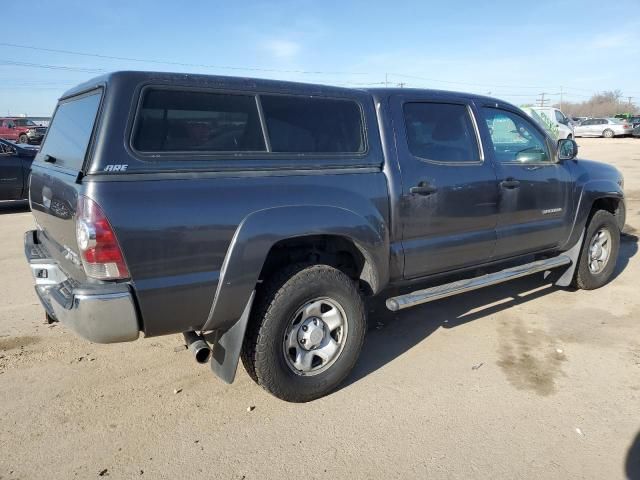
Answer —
522 380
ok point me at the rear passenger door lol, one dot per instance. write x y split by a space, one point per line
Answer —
448 207
534 201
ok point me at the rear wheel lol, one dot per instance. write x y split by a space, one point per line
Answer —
608 133
306 332
599 252
23 138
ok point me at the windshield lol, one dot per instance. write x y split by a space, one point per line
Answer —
617 121
24 122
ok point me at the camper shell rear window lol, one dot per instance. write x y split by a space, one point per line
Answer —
71 128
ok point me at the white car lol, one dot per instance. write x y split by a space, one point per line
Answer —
553 120
603 127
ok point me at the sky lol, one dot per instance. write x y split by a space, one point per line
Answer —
507 49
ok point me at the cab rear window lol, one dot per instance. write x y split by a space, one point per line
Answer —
70 131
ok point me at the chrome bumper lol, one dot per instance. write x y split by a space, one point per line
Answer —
103 313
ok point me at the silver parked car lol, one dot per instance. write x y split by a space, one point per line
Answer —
602 127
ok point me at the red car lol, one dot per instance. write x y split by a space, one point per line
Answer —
21 130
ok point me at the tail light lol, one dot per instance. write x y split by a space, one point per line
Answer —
99 249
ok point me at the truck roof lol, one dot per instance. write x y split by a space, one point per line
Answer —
201 80
223 81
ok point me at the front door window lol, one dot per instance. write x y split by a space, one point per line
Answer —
515 139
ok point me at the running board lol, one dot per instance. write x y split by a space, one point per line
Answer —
449 289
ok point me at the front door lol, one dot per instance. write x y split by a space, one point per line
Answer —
448 207
593 127
534 205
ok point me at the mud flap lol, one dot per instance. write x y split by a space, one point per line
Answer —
574 254
226 348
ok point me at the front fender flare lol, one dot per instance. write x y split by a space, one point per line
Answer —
592 191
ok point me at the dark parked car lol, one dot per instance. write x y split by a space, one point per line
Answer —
21 130
634 121
636 132
256 215
15 167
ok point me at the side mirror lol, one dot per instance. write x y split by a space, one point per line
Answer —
567 149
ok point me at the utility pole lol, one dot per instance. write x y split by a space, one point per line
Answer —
401 84
542 101
561 95
629 98
386 79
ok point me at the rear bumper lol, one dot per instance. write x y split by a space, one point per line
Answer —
102 313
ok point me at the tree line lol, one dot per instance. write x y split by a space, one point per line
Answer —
604 104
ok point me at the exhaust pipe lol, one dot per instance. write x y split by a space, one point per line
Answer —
198 346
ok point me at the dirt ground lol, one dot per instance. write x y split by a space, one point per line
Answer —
522 380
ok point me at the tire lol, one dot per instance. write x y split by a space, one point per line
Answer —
608 133
23 138
277 321
586 277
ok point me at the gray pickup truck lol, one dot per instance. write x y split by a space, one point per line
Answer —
255 216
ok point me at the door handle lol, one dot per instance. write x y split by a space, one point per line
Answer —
423 188
510 184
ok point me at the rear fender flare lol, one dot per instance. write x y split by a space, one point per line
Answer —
260 230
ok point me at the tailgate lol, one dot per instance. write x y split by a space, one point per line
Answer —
56 170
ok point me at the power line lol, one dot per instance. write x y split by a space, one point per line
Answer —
181 64
51 67
563 90
259 69
462 83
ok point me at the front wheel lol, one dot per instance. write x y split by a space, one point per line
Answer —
608 133
599 252
23 138
305 333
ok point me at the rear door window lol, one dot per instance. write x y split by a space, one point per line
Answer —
313 125
195 121
70 130
441 132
